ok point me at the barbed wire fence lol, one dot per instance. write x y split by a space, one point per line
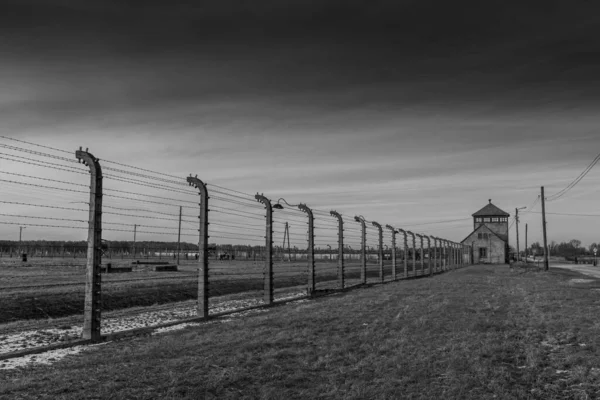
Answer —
220 249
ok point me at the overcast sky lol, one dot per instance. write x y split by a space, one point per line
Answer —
407 112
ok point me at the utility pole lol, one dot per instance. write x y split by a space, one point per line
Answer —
134 233
546 267
525 243
20 236
179 236
286 234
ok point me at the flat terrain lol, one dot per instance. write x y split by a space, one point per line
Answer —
482 332
55 287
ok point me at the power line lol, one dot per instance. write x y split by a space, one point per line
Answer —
575 181
569 214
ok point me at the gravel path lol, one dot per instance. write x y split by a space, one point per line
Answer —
43 337
586 269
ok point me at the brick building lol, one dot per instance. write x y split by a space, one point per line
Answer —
490 235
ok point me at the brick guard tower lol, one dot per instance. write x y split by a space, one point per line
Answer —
490 235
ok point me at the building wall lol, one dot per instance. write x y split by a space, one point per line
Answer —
496 248
497 227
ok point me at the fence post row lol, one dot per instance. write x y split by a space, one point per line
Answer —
268 269
311 248
202 307
393 250
378 226
363 244
340 248
93 290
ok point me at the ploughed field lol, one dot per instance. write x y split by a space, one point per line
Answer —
55 287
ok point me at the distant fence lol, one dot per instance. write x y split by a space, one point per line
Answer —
266 251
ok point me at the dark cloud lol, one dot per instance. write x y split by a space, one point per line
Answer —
109 57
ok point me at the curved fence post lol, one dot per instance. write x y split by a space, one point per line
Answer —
405 252
435 253
340 248
268 269
391 228
429 254
363 250
202 246
310 255
414 252
421 258
378 226
92 318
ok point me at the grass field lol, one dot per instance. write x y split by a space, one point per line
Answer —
55 287
482 332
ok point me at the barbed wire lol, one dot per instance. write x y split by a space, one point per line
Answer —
149 195
38 153
36 217
35 144
149 184
43 225
234 210
44 186
262 218
46 164
44 179
41 205
183 182
147 226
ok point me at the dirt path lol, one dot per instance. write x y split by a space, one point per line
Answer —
587 269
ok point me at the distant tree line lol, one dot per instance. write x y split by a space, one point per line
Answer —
570 249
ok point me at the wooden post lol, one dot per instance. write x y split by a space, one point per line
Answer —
202 308
546 263
525 243
268 268
93 280
340 248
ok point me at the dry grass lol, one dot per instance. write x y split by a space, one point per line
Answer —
54 287
483 332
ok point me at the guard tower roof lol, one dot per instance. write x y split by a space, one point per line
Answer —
491 210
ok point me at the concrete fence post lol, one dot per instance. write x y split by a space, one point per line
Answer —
378 226
268 268
405 251
340 248
393 251
429 255
202 307
414 253
310 255
93 279
422 261
445 254
435 253
363 246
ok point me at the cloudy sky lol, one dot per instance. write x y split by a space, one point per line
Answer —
407 112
